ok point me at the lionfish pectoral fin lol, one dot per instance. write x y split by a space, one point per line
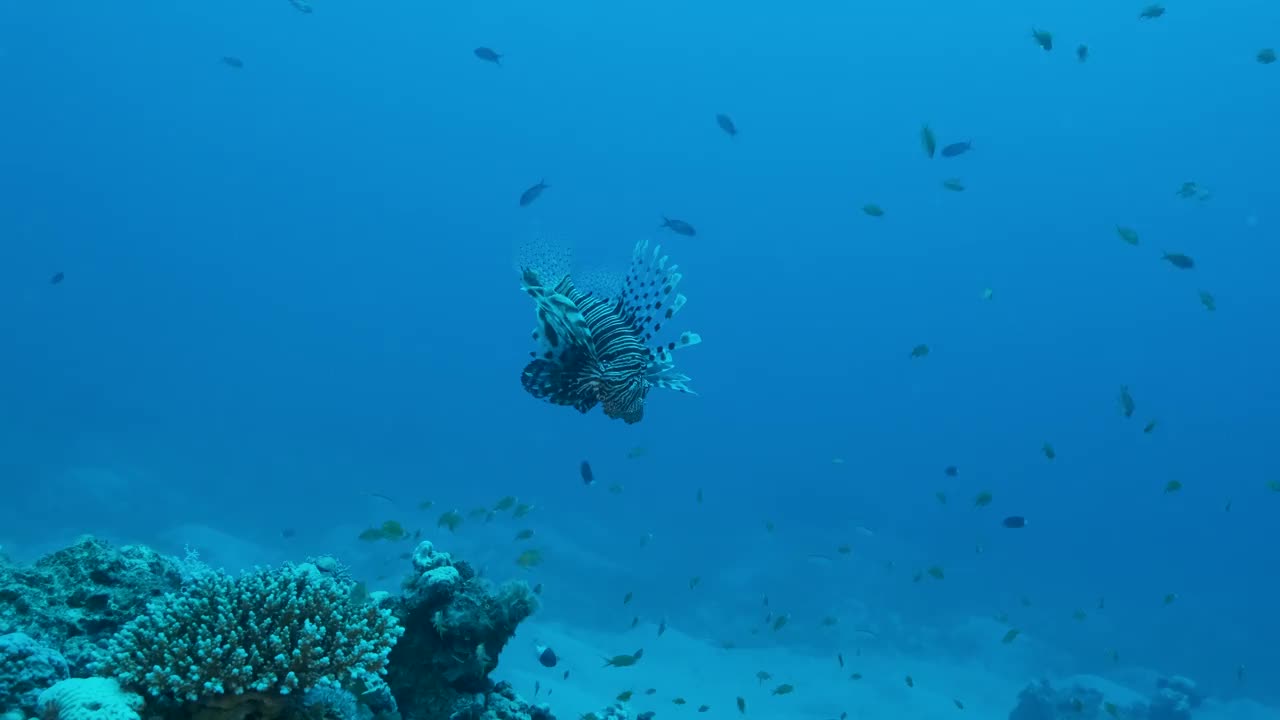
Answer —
662 353
650 294
661 370
557 384
670 379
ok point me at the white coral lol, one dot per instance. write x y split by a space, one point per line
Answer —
88 699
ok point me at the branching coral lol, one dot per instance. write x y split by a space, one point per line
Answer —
266 631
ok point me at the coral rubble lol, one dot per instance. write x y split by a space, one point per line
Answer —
76 598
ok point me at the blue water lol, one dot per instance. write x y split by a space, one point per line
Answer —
289 286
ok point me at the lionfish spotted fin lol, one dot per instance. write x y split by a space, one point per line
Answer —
661 368
650 295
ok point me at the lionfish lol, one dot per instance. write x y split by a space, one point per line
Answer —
594 347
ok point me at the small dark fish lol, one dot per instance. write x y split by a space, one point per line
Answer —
951 471
662 627
489 55
288 533
537 589
678 227
1266 56
537 687
742 705
584 469
646 715
726 124
1180 261
840 659
528 196
1127 404
1015 522
959 705
56 278
1082 53
910 683
1151 12
546 656
232 62
566 674
301 6
957 149
1043 38
928 141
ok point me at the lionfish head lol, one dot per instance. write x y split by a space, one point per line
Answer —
625 401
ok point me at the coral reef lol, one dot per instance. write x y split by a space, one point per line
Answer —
455 628
304 642
500 703
266 631
1174 699
77 597
1040 701
26 668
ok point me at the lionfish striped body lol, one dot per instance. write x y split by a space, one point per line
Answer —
594 350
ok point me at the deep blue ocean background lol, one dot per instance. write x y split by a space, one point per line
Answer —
290 304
